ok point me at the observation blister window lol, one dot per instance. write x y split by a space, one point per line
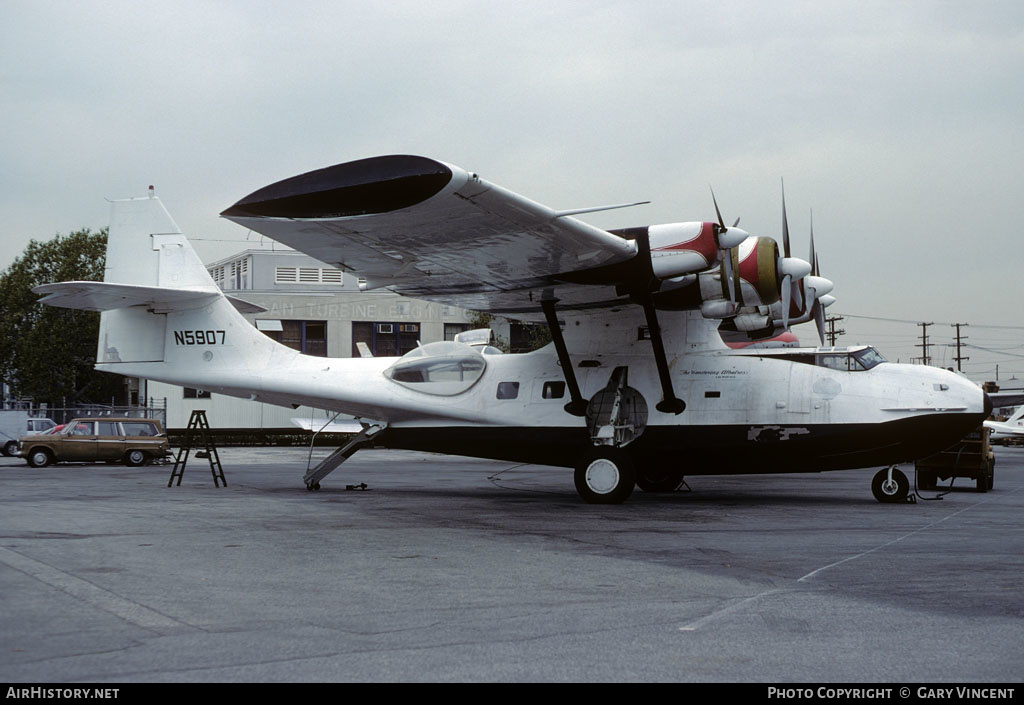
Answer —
443 368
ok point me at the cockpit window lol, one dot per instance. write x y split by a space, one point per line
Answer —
834 362
856 361
444 368
867 358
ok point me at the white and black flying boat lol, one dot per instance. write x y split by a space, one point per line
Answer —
637 387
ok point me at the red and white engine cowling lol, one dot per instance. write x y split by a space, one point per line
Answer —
678 249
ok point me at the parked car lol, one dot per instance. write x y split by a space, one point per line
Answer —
131 441
15 423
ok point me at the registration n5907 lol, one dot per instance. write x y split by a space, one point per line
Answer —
199 337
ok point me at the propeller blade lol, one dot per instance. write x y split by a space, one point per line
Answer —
785 225
813 259
786 248
819 320
728 239
727 264
787 286
717 212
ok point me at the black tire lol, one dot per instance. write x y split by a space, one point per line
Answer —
981 482
10 448
890 492
658 479
605 475
39 458
135 458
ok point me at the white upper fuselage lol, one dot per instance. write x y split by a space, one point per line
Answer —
719 385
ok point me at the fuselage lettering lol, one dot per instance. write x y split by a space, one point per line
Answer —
199 337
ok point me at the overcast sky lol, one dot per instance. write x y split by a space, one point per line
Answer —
900 124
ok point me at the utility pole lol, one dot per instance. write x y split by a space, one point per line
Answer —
832 333
959 338
925 358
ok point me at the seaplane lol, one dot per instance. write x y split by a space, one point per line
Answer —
637 387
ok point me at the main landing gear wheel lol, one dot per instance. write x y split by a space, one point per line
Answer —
605 475
890 485
659 479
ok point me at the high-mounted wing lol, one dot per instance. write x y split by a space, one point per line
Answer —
431 230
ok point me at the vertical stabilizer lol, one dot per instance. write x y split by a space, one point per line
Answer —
145 248
132 252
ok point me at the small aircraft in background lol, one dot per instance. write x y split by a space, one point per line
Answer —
637 387
1010 429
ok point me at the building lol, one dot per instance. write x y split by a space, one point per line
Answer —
318 310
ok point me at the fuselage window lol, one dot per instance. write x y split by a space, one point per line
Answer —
508 390
553 390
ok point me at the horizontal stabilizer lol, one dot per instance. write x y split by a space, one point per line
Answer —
243 306
104 296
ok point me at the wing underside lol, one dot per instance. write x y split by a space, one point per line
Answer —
430 230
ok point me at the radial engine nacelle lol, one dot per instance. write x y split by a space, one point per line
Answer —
678 249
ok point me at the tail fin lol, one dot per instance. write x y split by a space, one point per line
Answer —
162 316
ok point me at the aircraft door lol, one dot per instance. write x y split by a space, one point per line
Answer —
617 414
799 401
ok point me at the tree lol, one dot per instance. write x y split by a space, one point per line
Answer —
524 336
47 353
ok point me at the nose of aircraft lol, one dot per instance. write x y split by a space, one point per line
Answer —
988 405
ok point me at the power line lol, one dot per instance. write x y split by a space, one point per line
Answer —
917 323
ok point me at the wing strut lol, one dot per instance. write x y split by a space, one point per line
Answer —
669 403
578 406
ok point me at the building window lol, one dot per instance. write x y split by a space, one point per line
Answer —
286 275
388 339
307 275
308 337
239 274
453 329
217 274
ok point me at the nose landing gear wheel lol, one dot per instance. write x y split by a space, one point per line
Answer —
605 475
890 485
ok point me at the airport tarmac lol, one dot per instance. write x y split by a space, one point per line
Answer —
463 570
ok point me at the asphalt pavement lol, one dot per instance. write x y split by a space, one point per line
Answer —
460 570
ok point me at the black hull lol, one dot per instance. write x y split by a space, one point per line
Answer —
708 450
